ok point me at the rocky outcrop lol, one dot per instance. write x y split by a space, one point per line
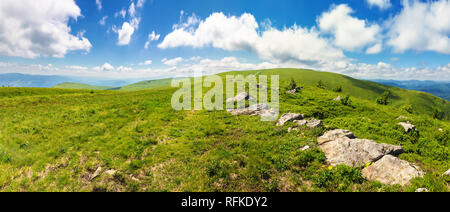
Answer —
408 127
240 97
333 135
311 123
356 152
391 170
253 110
289 117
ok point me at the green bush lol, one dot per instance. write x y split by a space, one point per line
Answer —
346 100
292 85
338 89
408 108
384 98
339 178
320 84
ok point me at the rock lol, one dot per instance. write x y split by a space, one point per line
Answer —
408 127
294 91
422 190
253 110
337 99
311 123
289 117
441 130
447 173
356 152
110 172
240 97
391 170
333 135
305 148
96 173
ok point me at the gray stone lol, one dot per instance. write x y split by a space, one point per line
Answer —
253 110
408 126
289 117
311 123
447 173
305 148
391 170
240 97
334 134
96 173
110 172
421 190
337 99
356 152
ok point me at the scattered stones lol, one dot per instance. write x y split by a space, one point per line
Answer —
253 110
421 190
110 172
311 123
356 152
391 170
96 173
333 135
289 117
337 99
294 91
408 127
305 148
240 97
447 173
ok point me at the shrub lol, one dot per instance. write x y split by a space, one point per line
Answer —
320 84
338 89
384 98
408 108
292 85
438 114
346 100
339 178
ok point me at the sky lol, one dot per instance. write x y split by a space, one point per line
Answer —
366 39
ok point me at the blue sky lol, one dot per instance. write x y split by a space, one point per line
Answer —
359 38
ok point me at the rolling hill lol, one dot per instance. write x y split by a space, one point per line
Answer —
85 140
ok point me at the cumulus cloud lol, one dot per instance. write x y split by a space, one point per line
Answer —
104 67
172 62
422 26
128 27
382 4
241 34
103 21
125 34
151 37
349 33
32 29
375 49
99 4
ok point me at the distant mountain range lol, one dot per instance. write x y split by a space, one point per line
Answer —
42 81
440 89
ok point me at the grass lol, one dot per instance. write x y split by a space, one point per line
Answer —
71 85
55 139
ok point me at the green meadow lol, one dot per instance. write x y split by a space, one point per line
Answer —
56 139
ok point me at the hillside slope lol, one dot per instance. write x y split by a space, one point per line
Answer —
71 85
135 141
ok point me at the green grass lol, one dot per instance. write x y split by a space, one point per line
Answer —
53 140
71 85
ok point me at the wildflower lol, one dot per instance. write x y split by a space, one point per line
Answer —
330 167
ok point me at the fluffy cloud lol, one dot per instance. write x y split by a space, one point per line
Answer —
172 62
125 34
140 3
423 26
382 4
99 4
349 33
104 67
103 21
151 37
241 34
375 49
147 62
31 29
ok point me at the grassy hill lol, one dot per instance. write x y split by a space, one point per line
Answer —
71 85
57 141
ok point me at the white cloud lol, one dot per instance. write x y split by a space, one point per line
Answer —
349 33
104 67
422 26
382 4
147 62
132 9
151 37
375 49
240 34
125 34
124 69
172 62
103 21
99 4
32 29
140 3
122 13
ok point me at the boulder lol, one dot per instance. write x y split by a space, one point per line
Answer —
356 152
337 99
240 97
311 123
391 170
333 135
289 117
408 127
253 110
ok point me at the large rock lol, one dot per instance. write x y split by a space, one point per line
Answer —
311 123
289 117
240 97
333 135
356 152
408 127
391 170
253 110
447 173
